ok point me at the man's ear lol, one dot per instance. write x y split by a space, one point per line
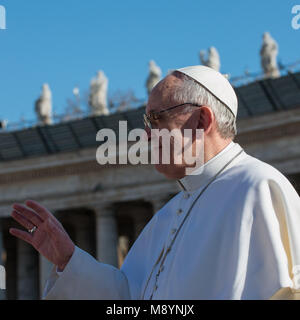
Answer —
206 119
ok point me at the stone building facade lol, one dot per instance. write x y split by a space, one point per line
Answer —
104 208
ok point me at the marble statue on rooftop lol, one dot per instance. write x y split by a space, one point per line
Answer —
268 54
212 60
154 76
98 94
43 106
3 124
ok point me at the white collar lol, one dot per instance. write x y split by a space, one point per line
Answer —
210 168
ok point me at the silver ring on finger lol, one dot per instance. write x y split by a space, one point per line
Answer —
32 230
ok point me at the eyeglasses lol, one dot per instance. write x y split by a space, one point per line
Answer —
148 118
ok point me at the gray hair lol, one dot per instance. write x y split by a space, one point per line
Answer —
192 91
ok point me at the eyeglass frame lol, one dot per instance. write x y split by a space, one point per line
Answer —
154 115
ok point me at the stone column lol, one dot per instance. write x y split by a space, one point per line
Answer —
2 269
83 232
45 268
27 272
106 235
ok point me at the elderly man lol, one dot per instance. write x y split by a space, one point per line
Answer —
231 233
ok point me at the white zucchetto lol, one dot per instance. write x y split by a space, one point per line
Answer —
215 83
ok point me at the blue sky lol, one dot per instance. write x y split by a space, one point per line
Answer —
65 42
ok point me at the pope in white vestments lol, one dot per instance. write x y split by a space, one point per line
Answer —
231 233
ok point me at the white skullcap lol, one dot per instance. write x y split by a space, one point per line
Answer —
215 83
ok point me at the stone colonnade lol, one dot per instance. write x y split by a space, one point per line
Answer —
106 231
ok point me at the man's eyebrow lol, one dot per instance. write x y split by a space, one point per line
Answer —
153 111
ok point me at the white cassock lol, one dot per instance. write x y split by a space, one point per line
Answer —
230 246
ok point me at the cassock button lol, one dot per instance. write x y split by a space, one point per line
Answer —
173 231
186 196
162 268
156 287
179 211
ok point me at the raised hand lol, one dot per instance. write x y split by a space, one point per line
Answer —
49 238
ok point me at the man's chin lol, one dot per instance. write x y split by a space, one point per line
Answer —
170 172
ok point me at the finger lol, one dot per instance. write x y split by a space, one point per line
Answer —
40 210
22 220
28 214
23 235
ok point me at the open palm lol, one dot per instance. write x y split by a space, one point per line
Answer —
49 239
